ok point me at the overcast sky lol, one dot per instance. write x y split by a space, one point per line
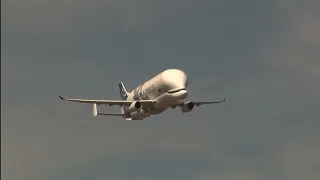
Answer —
263 56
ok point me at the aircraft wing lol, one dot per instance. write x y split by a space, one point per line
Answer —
110 114
198 103
108 102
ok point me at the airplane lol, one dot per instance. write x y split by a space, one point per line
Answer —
166 90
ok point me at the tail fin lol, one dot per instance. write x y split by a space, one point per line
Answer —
124 95
123 91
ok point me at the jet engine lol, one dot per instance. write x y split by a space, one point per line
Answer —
187 107
135 106
136 111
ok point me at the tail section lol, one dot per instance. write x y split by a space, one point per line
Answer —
124 95
123 91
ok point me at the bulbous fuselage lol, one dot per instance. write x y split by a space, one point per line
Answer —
168 88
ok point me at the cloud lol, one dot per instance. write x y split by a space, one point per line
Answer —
50 141
295 50
225 176
301 158
152 163
57 16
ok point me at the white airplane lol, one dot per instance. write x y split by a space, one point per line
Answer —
166 90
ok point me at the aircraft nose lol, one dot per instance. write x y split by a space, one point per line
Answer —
182 81
182 94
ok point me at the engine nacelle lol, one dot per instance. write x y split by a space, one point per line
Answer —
135 106
136 111
187 107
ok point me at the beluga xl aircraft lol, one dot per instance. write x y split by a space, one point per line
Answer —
165 90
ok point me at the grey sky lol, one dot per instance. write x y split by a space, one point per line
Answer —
263 56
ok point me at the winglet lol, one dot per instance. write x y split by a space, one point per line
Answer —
61 98
224 99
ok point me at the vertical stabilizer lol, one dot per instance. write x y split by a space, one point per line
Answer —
123 91
124 95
